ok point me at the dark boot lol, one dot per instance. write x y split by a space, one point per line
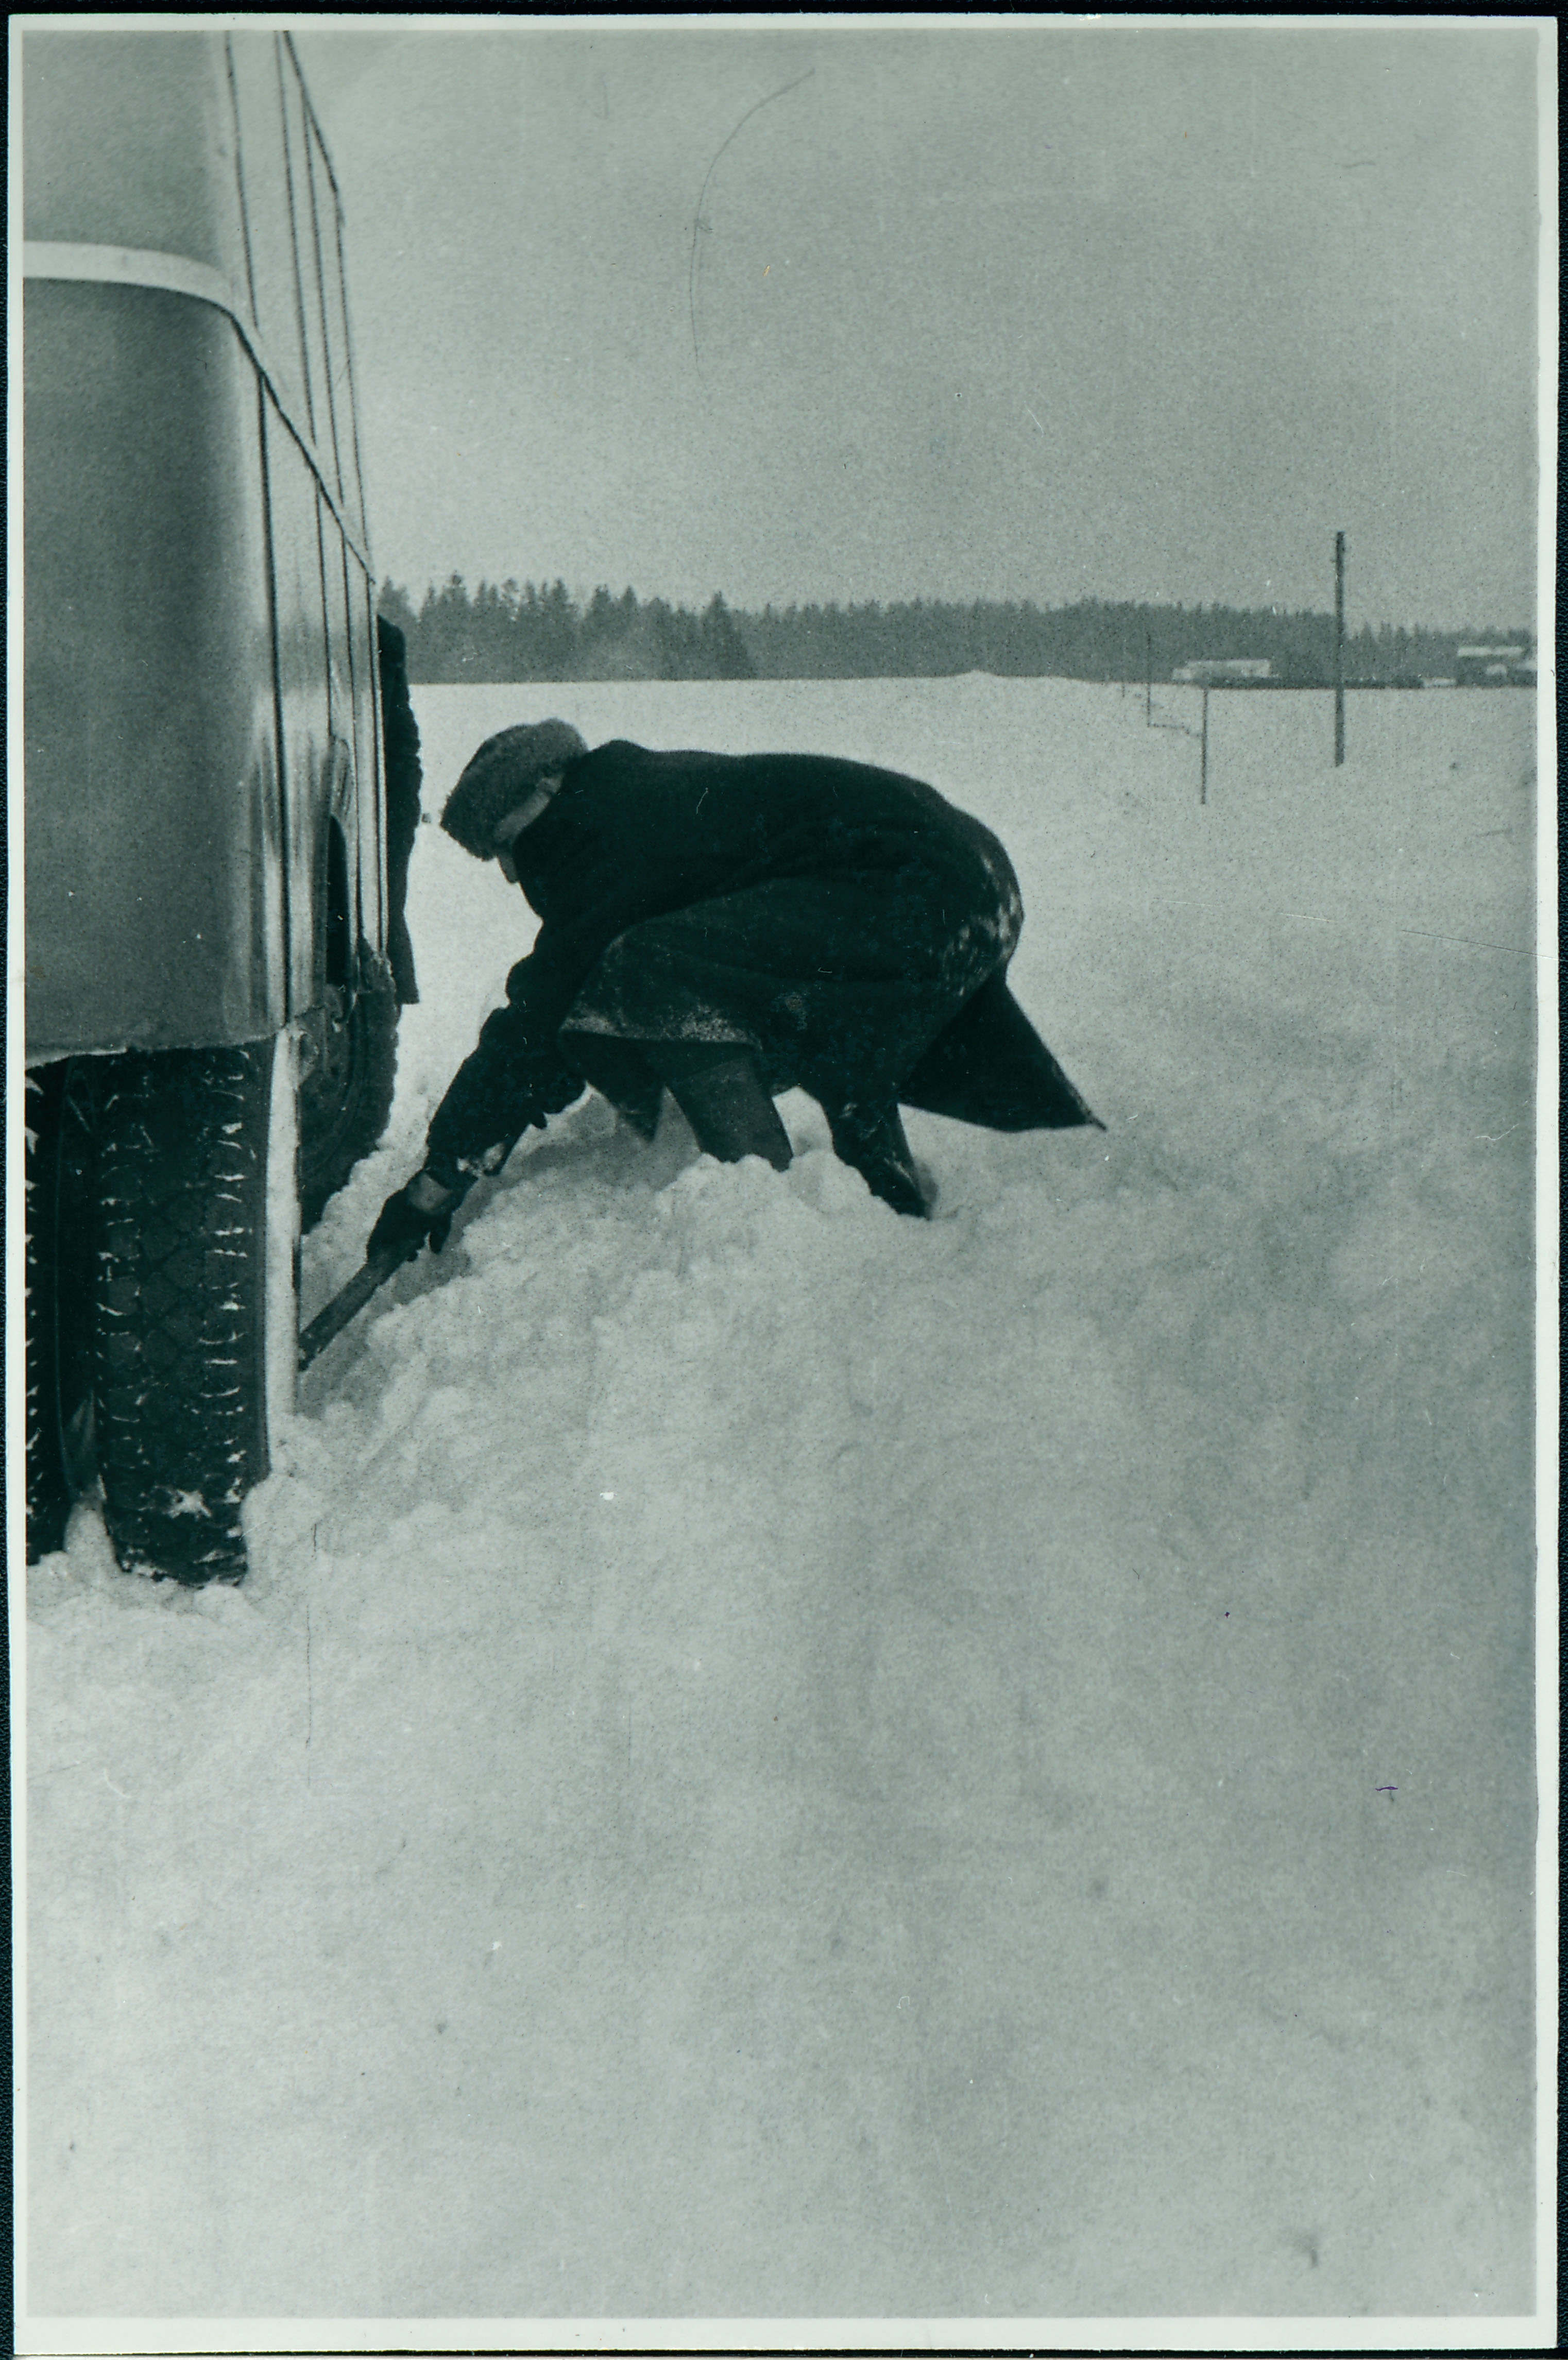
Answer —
718 1088
871 1140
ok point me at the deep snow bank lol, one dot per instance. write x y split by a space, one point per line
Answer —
777 1759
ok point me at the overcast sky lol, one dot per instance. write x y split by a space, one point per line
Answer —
1031 308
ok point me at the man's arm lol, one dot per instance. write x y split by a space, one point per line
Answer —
511 1081
515 1079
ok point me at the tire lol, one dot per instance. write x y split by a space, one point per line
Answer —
346 1094
195 1318
60 1267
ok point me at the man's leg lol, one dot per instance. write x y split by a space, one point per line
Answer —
619 1072
718 1088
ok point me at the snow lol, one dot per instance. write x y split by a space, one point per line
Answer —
777 1760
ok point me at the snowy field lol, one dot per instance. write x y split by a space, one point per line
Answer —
776 1760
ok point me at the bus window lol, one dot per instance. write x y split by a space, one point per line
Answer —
298 144
326 209
302 682
341 671
339 660
363 690
263 193
344 411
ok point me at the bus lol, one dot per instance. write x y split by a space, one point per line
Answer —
216 837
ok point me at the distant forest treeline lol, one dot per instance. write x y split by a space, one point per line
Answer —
516 633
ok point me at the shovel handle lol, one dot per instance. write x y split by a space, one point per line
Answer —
343 1308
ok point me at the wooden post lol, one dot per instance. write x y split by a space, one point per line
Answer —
1338 650
1204 768
1147 674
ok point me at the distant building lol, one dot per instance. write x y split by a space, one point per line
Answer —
1220 671
1494 667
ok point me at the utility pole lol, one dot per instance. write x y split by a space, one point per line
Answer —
1147 672
1338 650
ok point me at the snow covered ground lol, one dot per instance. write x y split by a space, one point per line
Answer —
776 1760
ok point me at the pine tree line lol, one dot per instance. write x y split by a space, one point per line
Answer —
522 633
510 633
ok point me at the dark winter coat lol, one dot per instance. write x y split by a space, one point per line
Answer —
848 924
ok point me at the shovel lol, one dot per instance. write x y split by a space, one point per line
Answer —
343 1308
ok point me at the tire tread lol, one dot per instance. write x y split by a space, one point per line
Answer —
181 1431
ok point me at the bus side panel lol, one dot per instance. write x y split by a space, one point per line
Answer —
308 752
93 175
148 703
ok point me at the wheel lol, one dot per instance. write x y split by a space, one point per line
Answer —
59 1273
194 1312
346 1093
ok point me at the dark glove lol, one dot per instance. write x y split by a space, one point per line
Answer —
401 1229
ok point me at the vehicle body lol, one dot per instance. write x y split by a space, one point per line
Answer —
208 871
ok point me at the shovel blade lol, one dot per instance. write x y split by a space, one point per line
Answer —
343 1308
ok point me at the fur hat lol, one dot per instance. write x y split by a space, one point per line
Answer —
503 774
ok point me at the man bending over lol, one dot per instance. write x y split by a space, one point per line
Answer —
728 928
